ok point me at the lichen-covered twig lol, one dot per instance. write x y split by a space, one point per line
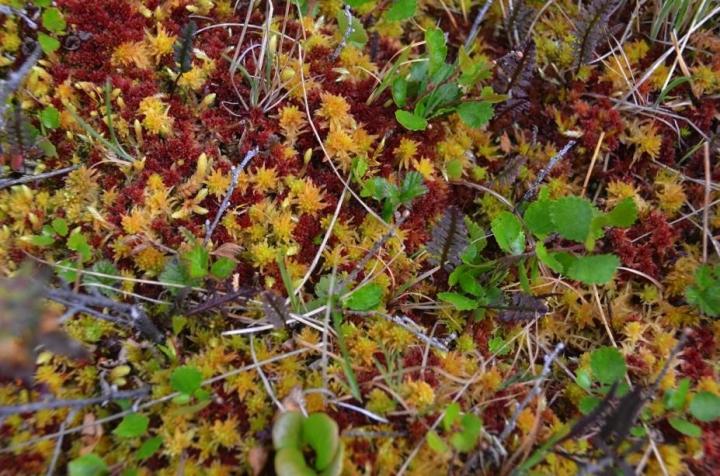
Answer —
118 312
9 85
234 175
79 403
476 24
5 183
534 392
346 35
546 171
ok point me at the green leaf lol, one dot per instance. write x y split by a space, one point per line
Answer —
623 215
582 378
498 346
77 242
185 379
454 169
358 37
399 91
50 117
436 48
42 3
675 398
196 262
508 232
460 302
705 406
46 147
588 404
548 258
607 364
222 268
321 433
475 113
537 218
102 267
39 240
401 10
53 20
410 121
704 293
291 462
466 440
148 448
132 426
48 43
87 465
60 226
412 187
451 415
287 430
436 443
685 427
596 269
572 217
359 167
366 298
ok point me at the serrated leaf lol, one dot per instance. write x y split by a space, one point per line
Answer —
78 242
436 48
705 406
460 302
357 37
222 268
87 465
132 426
436 443
596 269
53 20
197 261
148 448
623 215
475 113
410 121
366 298
50 117
48 43
185 379
704 293
607 364
401 10
572 217
508 232
685 427
538 219
39 240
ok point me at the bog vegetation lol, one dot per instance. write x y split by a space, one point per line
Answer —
318 237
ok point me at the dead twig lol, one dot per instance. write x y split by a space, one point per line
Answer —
5 183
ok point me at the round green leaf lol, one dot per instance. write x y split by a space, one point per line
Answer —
50 117
291 462
53 20
131 426
222 268
287 430
87 465
607 364
410 121
475 113
48 43
366 298
685 427
185 379
401 10
572 217
705 406
598 269
149 447
321 433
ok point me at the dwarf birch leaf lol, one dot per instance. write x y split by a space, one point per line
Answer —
508 233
